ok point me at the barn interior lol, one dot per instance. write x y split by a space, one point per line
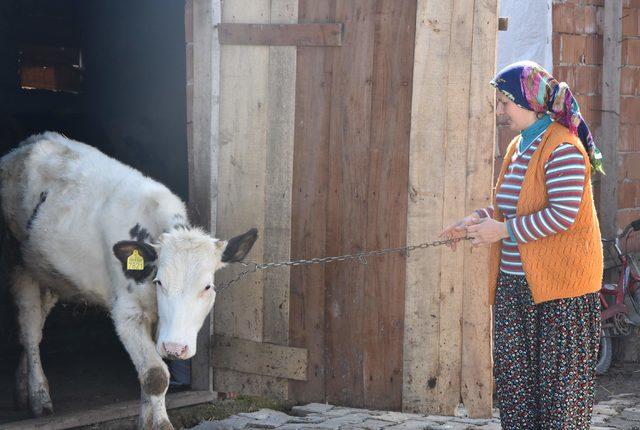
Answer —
110 74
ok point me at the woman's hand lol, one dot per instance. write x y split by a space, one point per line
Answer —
487 231
459 229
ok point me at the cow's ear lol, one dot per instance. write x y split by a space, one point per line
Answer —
238 247
124 249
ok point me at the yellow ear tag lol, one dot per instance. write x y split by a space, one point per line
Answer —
135 261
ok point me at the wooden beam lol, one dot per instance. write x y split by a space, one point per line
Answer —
610 129
326 34
107 413
279 176
259 358
455 147
244 124
311 155
202 149
477 369
426 206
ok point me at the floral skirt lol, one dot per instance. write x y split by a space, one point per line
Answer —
544 358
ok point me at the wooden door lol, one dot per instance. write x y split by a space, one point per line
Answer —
351 154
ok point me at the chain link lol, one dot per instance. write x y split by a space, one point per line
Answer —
361 257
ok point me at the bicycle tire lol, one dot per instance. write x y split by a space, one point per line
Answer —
605 353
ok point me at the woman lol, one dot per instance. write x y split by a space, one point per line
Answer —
546 255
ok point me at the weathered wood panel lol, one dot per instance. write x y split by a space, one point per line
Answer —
278 176
383 310
202 144
251 384
242 155
259 358
455 163
426 206
281 35
309 202
477 371
610 129
349 145
241 174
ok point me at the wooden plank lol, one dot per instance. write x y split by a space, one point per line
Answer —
425 205
107 413
383 309
241 167
610 129
229 381
349 145
477 371
455 164
329 34
260 358
279 173
309 203
56 77
201 151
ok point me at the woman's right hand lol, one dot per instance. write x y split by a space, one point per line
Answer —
459 229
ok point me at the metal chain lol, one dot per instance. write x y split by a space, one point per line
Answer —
361 257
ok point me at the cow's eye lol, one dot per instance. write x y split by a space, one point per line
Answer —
208 287
157 282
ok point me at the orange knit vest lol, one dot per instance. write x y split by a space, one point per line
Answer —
567 264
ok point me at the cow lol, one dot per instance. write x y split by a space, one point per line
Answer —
81 226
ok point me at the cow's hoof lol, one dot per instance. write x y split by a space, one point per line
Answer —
164 425
40 404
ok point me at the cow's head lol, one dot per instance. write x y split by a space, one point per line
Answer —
185 263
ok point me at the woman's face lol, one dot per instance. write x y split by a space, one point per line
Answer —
517 118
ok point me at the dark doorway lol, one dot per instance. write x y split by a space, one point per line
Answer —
110 74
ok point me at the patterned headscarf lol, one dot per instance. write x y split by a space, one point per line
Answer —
531 87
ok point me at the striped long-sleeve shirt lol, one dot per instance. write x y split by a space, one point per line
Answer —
564 178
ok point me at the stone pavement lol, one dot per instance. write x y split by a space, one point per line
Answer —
619 412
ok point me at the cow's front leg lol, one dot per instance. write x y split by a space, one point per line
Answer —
134 329
33 306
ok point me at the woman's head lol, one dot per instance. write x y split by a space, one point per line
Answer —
529 87
516 117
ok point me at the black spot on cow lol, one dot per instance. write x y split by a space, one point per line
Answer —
139 233
155 381
123 250
179 218
34 214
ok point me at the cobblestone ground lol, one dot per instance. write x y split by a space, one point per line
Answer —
620 411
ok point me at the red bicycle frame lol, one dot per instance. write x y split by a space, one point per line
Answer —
612 296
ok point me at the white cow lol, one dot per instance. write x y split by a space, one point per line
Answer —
79 223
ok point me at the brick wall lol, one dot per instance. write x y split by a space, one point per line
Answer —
577 59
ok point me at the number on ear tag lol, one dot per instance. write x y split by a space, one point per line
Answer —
135 261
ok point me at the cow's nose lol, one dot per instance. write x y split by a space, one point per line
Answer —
174 351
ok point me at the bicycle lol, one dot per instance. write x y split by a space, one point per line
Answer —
620 302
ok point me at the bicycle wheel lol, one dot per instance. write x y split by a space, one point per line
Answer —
605 354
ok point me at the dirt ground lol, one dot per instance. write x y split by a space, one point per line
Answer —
621 378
